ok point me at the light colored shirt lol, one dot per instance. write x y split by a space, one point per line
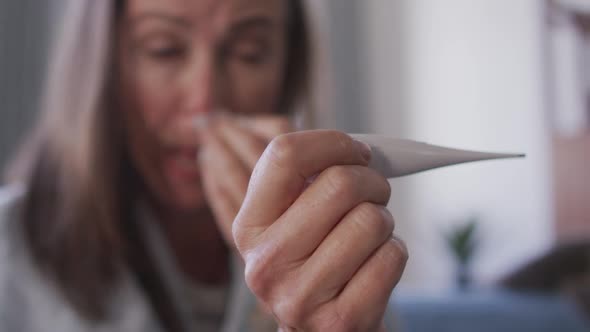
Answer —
199 307
31 303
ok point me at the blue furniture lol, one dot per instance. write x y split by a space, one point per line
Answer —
489 311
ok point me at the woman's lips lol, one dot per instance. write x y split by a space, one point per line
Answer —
180 164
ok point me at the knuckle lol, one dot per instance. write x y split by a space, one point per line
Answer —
342 180
379 186
283 150
394 250
266 272
387 187
243 236
290 311
344 140
258 275
402 249
373 219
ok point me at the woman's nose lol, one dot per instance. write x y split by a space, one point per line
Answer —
203 89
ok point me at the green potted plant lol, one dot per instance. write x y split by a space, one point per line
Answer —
462 242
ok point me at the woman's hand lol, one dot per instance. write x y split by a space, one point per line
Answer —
231 147
320 257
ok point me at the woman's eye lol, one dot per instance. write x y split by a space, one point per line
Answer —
250 52
166 52
162 48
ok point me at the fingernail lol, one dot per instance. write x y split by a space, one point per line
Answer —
365 149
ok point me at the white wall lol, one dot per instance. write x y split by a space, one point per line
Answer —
464 73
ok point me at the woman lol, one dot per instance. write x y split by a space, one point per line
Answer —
157 113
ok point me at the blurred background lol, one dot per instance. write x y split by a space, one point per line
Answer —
496 75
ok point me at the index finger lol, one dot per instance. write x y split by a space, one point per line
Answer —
281 174
267 126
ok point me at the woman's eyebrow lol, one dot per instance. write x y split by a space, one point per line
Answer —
174 19
253 22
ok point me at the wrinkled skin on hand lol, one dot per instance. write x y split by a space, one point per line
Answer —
319 256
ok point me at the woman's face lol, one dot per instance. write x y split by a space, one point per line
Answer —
182 58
